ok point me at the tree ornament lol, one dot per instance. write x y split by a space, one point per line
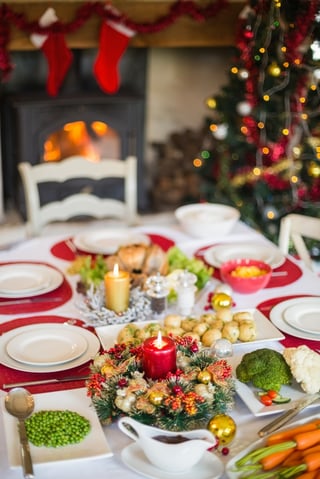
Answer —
221 131
223 427
221 301
243 74
274 69
204 377
316 74
156 397
222 348
244 108
314 169
223 288
270 212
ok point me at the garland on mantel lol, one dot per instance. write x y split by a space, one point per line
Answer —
116 29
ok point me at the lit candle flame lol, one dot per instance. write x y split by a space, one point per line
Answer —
159 343
116 269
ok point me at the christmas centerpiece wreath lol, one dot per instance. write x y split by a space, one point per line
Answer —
201 387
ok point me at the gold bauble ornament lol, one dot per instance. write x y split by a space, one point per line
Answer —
314 170
223 427
204 377
221 301
156 398
274 69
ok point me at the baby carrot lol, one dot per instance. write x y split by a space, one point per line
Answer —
308 475
275 459
310 463
293 459
286 435
307 439
315 448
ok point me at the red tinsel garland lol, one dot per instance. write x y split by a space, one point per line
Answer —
83 14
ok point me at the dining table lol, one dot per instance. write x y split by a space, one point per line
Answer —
291 279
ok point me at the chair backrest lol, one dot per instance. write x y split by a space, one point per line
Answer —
295 227
83 203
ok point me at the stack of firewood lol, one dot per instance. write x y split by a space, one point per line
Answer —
176 180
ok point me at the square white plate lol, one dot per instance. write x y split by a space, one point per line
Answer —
232 474
248 394
93 446
266 331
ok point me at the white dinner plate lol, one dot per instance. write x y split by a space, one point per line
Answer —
277 317
266 331
108 241
230 466
93 446
304 316
91 339
216 255
248 394
28 279
209 467
48 345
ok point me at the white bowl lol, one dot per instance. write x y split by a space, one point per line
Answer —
207 219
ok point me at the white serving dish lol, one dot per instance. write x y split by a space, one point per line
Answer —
93 446
207 219
230 466
248 394
266 331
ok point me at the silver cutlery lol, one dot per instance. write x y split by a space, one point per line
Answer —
71 246
45 381
12 302
279 273
20 404
291 413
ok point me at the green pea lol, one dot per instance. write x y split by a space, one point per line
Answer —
56 428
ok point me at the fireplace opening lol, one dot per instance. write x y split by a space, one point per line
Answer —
80 120
94 140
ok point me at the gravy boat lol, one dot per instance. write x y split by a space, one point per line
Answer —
167 450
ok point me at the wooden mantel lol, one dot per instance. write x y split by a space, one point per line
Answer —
185 32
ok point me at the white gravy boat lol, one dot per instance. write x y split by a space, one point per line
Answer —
167 450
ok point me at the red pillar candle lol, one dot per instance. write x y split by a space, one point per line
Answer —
159 357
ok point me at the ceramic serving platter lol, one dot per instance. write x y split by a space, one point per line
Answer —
93 446
266 331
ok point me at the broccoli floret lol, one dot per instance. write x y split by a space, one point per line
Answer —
265 368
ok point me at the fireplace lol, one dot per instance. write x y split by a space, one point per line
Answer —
30 119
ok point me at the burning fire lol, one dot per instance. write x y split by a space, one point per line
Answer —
92 140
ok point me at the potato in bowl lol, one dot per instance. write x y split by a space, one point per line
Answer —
246 276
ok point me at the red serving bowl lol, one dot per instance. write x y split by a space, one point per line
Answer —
246 275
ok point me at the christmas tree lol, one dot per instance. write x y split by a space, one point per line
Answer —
262 152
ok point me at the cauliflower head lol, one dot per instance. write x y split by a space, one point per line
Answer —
265 369
304 364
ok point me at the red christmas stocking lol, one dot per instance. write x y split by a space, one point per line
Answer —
55 49
114 39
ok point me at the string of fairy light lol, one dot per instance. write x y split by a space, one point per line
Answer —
255 65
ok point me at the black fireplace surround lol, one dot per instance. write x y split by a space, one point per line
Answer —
29 115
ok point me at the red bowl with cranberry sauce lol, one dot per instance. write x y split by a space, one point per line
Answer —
246 275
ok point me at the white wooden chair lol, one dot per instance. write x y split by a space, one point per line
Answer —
84 203
295 227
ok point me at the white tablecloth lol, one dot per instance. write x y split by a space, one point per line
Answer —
38 249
